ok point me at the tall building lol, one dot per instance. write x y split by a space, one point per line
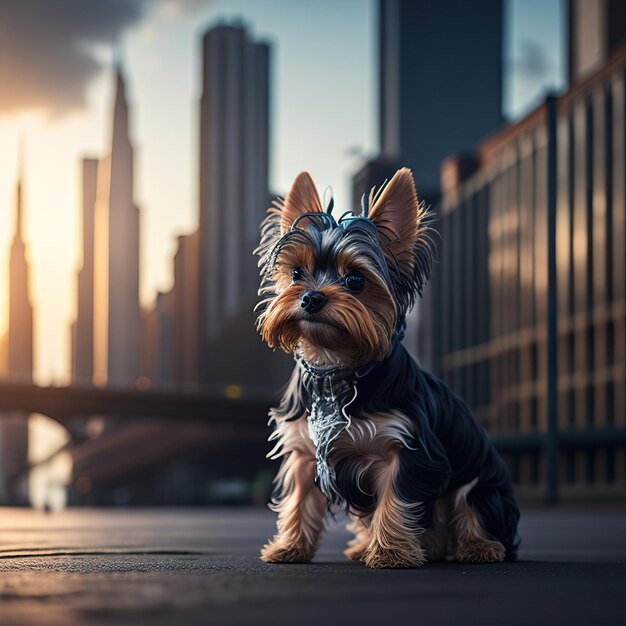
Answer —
161 369
185 326
20 333
19 362
82 329
439 92
440 80
234 157
116 312
202 331
170 325
529 294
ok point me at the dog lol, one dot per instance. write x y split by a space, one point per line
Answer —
361 425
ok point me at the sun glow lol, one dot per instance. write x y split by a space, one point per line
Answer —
161 63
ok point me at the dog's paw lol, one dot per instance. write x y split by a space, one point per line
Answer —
277 551
481 551
377 557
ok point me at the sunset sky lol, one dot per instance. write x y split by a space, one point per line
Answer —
55 72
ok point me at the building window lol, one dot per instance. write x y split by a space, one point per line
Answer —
609 391
610 342
534 410
589 401
571 407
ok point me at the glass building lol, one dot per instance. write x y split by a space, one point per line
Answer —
529 296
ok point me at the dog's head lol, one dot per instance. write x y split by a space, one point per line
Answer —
337 291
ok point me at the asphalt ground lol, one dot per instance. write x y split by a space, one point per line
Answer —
201 566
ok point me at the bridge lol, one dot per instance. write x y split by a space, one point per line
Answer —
146 428
241 416
71 404
67 405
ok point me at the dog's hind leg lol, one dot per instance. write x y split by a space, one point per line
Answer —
438 540
473 543
362 537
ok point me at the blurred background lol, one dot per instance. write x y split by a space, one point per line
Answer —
140 144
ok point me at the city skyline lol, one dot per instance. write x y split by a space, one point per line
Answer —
496 194
52 229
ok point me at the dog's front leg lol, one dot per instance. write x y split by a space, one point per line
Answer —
394 527
301 509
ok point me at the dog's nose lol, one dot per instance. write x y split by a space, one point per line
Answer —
312 301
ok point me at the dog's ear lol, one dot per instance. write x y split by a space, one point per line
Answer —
302 198
397 214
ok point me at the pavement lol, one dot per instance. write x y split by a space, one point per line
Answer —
201 566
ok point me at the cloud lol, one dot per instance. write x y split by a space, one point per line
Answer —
172 9
47 53
45 56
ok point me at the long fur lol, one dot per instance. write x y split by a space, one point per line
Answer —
413 468
440 446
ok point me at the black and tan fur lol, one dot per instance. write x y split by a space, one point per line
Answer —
417 474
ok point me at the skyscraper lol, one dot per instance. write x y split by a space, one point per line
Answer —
202 331
185 313
440 92
19 361
20 335
170 325
440 80
117 318
529 295
82 329
234 147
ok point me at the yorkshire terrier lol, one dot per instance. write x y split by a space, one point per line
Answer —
360 424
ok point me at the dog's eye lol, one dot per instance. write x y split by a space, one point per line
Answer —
354 281
296 274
